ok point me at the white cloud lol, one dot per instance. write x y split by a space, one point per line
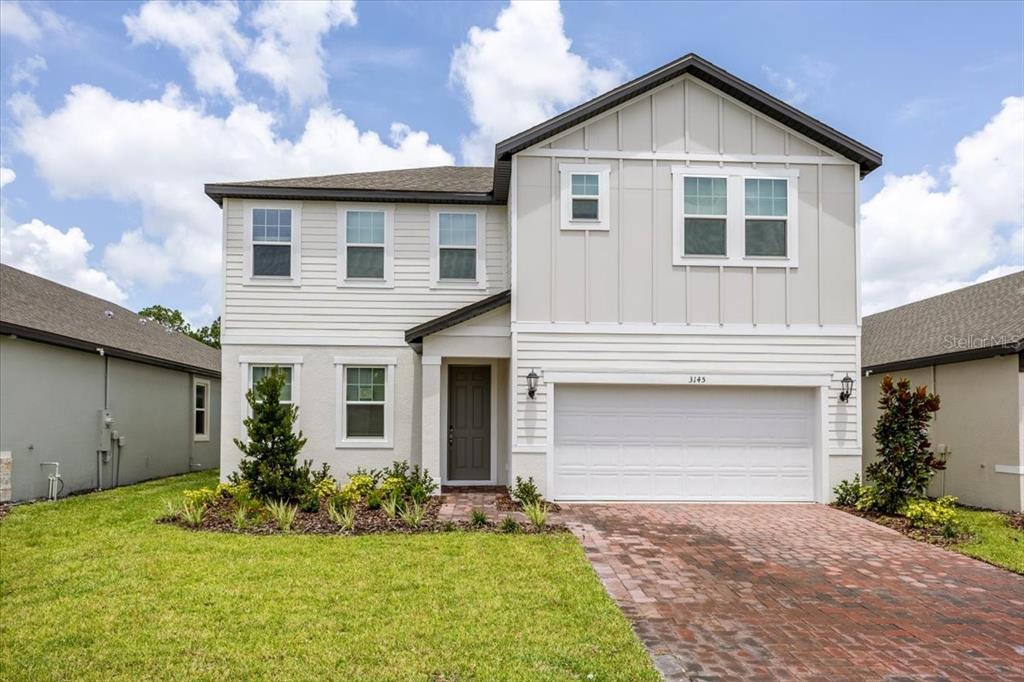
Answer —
28 22
289 52
920 239
61 256
813 75
520 73
158 154
204 34
26 71
7 176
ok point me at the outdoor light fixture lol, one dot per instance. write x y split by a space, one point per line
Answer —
531 384
847 391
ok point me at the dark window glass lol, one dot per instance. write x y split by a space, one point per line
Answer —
272 261
364 421
584 209
200 422
704 237
766 238
457 264
365 262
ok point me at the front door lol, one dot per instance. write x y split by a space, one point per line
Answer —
469 423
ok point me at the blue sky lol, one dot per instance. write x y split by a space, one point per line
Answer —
111 121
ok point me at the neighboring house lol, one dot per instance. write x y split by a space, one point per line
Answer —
968 347
675 261
109 396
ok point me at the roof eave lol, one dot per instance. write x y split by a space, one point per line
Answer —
464 314
944 358
219 192
868 158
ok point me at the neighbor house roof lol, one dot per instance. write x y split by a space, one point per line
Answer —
441 184
466 185
978 321
36 308
463 314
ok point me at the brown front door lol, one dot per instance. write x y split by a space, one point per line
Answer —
469 423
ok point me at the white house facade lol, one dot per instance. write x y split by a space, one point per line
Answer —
653 296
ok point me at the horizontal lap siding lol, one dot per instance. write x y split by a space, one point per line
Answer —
319 308
678 353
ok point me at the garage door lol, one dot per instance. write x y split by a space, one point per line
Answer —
683 443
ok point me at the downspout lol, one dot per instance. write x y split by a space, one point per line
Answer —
106 392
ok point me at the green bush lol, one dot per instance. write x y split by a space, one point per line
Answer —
392 486
373 500
477 518
270 452
847 492
509 525
359 486
327 487
193 513
310 503
391 506
412 514
342 516
867 499
940 513
525 492
537 512
905 461
282 513
200 496
240 517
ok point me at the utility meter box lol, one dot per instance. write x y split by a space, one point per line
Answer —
106 423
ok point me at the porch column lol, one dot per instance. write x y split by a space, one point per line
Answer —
431 406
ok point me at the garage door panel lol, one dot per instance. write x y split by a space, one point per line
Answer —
683 443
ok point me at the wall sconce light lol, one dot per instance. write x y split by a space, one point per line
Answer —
531 384
844 396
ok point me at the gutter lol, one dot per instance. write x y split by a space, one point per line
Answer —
219 192
90 347
946 358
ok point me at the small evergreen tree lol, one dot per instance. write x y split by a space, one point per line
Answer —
905 461
270 456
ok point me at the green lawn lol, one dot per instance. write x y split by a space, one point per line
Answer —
993 541
91 588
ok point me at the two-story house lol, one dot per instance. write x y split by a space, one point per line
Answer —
652 296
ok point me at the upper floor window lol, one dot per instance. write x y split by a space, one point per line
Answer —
458 248
364 253
766 211
272 242
201 410
734 216
584 192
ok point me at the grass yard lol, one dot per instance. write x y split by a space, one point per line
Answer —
994 541
91 588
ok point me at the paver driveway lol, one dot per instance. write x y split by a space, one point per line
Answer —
800 591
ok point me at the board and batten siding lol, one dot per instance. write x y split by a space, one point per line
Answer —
319 311
589 301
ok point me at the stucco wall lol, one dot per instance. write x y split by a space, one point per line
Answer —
50 397
978 420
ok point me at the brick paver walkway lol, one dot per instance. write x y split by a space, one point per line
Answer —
800 591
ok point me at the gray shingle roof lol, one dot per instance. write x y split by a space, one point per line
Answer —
984 316
39 308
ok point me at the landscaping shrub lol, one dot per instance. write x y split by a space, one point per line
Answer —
270 454
477 518
200 496
326 487
847 492
509 525
240 517
193 513
282 513
905 462
310 503
359 486
342 516
867 499
940 513
412 514
537 512
390 505
373 500
525 492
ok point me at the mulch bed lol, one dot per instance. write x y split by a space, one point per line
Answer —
899 523
507 504
1014 520
367 522
5 509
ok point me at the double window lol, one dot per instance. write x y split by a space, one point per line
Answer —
365 402
584 196
201 410
272 242
732 216
457 248
365 245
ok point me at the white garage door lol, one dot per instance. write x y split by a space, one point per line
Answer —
683 443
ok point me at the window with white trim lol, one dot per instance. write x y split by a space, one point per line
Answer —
767 211
584 196
365 245
457 235
257 372
734 216
271 242
201 410
365 407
